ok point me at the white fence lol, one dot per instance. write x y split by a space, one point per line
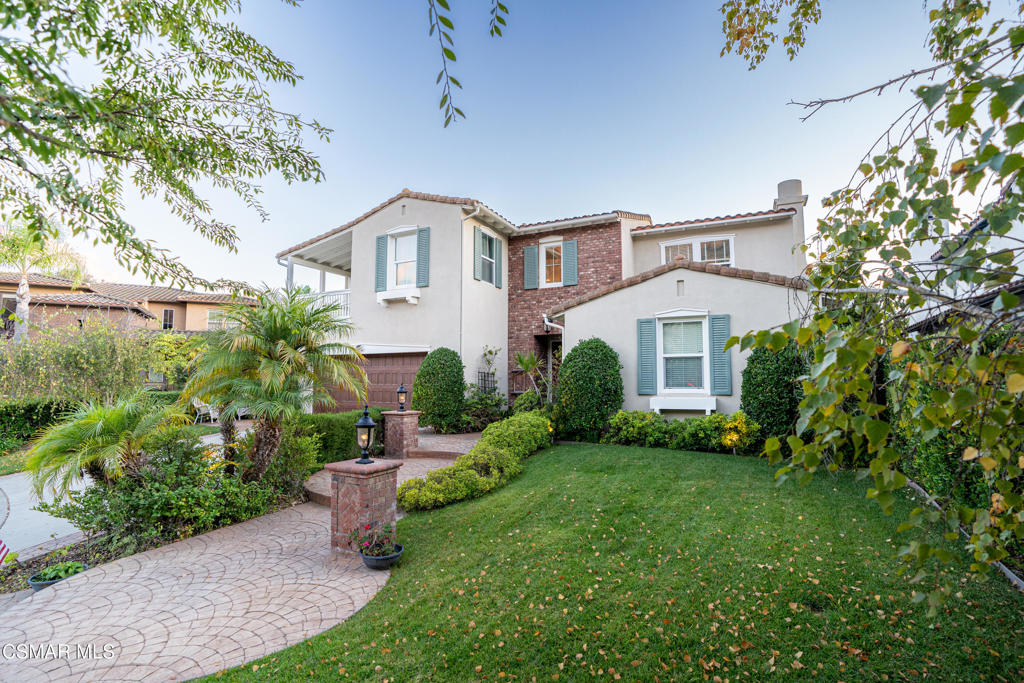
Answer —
339 297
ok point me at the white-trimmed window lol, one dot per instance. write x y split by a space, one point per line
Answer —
488 253
168 319
402 259
551 264
683 355
710 249
217 319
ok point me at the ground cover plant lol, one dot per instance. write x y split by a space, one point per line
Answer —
640 564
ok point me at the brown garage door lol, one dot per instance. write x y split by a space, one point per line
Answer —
385 372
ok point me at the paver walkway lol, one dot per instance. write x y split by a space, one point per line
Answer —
194 607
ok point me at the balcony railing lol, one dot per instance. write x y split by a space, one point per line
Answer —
338 297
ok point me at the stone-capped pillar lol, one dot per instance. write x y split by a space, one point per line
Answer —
361 495
401 433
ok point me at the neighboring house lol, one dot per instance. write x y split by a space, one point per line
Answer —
426 271
176 309
60 302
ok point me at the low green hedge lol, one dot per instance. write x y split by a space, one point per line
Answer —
493 462
716 433
165 398
337 432
22 419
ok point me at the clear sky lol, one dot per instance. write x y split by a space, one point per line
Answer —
582 107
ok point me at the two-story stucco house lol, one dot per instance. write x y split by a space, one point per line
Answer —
426 271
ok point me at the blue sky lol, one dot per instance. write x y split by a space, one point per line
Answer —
581 107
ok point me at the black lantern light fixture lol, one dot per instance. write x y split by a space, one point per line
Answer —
364 435
402 395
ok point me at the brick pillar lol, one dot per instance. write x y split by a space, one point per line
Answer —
361 495
401 433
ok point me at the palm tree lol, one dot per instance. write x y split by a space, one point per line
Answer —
530 365
273 360
28 249
106 441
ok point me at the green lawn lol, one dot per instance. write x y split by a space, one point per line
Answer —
13 460
658 565
203 429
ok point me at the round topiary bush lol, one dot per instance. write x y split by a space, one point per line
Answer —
527 401
589 390
771 391
439 390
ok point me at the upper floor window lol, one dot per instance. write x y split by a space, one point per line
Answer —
684 362
403 260
718 249
168 319
551 264
488 252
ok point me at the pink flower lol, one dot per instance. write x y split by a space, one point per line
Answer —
366 543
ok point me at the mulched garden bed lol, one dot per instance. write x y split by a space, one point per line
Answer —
14 577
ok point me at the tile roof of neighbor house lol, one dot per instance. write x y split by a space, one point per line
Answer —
159 294
89 299
681 263
43 280
406 193
716 219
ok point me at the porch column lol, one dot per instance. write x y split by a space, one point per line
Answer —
361 495
323 280
401 433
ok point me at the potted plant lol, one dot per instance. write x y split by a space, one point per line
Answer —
54 573
377 547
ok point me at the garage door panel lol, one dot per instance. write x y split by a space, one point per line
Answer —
385 373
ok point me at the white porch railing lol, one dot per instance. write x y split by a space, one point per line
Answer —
339 297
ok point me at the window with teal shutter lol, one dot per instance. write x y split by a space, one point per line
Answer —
380 273
478 248
647 357
570 263
721 363
683 354
530 278
423 257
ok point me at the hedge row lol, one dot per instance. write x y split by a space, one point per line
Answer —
337 432
22 419
495 460
716 433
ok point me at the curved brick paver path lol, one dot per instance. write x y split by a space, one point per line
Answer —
193 607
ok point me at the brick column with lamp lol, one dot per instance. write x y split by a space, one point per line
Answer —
401 433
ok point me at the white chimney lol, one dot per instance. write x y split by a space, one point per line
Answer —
791 196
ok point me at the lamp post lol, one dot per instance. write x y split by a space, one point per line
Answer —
364 435
402 395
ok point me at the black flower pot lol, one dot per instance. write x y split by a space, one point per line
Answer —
385 562
38 585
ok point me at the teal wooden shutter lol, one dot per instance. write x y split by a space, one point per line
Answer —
380 275
423 257
497 263
721 364
530 277
647 357
570 263
478 249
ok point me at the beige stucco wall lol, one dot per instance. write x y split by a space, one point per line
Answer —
436 320
485 310
761 245
157 309
626 225
751 305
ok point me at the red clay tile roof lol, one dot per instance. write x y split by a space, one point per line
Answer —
620 214
216 298
89 300
699 221
406 193
158 294
681 263
43 280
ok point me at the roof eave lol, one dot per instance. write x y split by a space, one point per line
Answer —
569 223
683 227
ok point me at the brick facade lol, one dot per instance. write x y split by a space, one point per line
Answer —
600 264
401 433
361 495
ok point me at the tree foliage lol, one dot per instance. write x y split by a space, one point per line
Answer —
887 316
177 99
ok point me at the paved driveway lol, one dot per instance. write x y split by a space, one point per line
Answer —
26 527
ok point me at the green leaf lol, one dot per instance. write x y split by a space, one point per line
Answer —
876 431
959 114
930 95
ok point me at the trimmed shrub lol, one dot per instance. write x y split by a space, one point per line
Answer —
165 398
589 390
492 463
637 428
23 419
439 390
527 401
482 408
714 433
771 391
297 457
337 432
